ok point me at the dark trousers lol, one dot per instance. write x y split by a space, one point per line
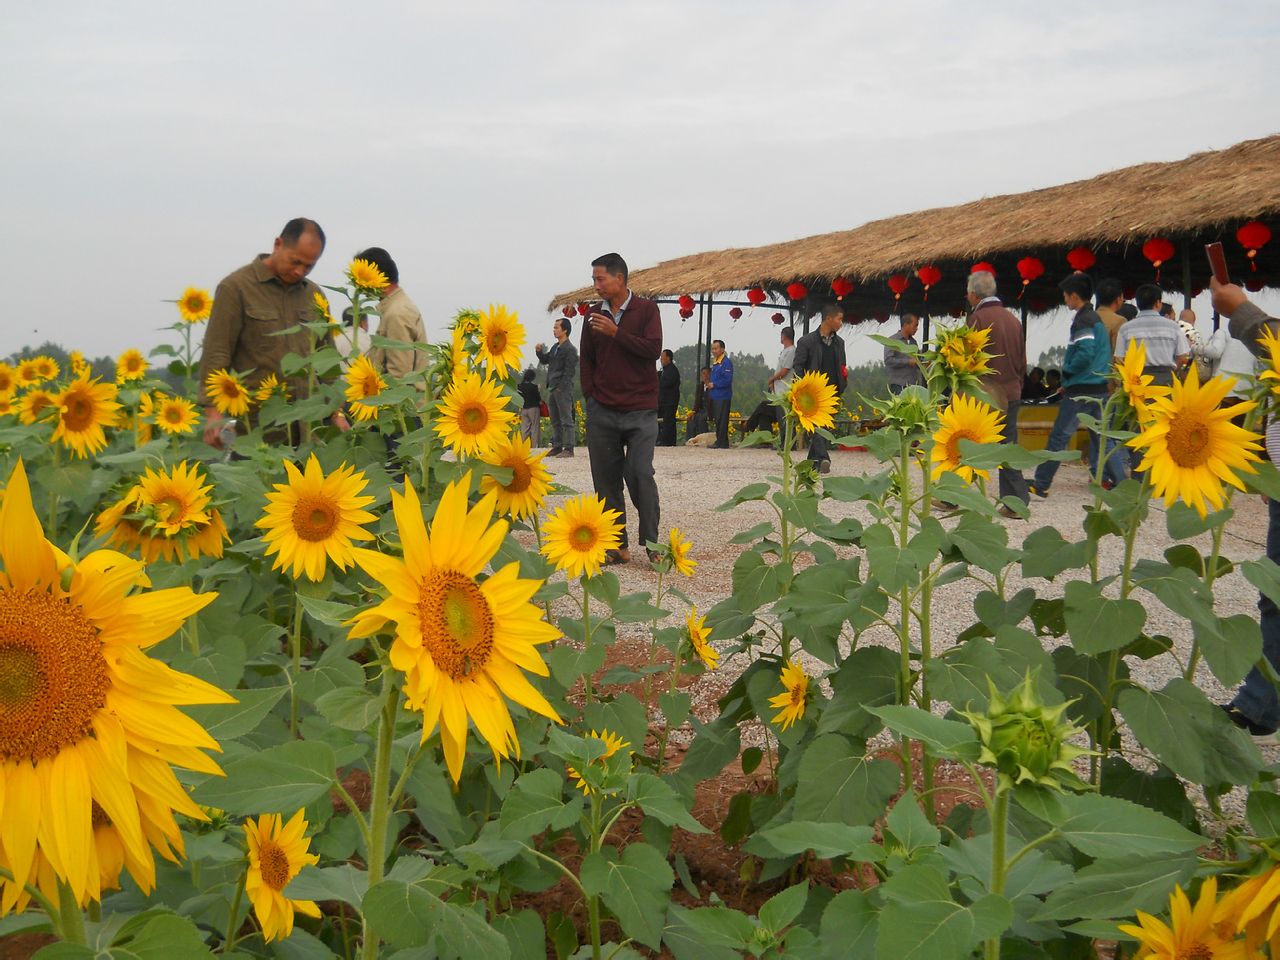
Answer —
564 427
1064 428
818 448
1012 482
1256 698
666 426
720 414
620 444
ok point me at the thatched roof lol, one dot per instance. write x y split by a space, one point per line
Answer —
1191 201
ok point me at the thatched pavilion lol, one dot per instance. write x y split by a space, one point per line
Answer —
1190 202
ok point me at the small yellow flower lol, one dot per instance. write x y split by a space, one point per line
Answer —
700 637
132 365
28 375
1271 354
8 379
276 854
523 495
33 404
501 335
176 416
366 276
1253 908
79 366
813 401
794 695
1191 933
321 303
579 534
680 549
84 408
46 367
227 393
473 417
966 418
1138 386
195 305
612 744
363 383
269 387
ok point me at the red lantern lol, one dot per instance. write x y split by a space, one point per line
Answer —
685 314
929 275
956 312
686 303
1254 284
1158 250
1037 304
779 319
755 296
583 309
841 287
1253 236
735 313
983 267
852 318
882 318
1081 258
1029 268
797 291
898 284
568 312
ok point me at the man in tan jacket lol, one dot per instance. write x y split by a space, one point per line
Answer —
399 320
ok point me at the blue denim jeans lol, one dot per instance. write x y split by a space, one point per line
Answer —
1064 428
1257 698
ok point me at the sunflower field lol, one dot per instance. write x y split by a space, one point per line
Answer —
335 684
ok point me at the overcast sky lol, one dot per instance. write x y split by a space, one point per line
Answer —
496 148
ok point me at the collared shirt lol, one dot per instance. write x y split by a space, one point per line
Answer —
985 300
1162 337
785 360
402 321
251 306
617 317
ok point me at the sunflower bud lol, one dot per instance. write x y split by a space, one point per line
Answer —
912 412
1025 740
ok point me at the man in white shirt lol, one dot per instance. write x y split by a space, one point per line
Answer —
780 381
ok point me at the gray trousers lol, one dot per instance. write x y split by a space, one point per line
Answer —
1012 482
564 430
620 444
531 425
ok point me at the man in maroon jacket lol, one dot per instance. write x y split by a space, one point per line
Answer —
1008 366
621 341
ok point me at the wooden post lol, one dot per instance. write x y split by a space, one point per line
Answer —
1024 326
1186 277
707 361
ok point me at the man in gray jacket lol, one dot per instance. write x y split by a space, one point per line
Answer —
562 365
901 369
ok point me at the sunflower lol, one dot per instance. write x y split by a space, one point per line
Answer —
579 534
680 550
366 276
523 494
1191 934
313 517
176 416
33 404
321 303
1251 909
227 392
612 744
363 382
501 335
8 379
166 515
473 415
468 321
1191 447
965 418
79 365
459 356
46 367
1137 386
84 408
8 406
88 725
700 637
462 643
27 374
813 401
963 350
195 305
794 695
276 854
1271 353
269 387
132 365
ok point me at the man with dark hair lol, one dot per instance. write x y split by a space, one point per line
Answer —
253 306
1127 310
1085 369
668 399
1167 347
1003 384
780 380
562 365
721 393
399 320
902 370
1109 297
1256 707
1033 386
822 351
622 339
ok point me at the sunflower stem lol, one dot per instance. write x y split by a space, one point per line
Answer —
586 638
380 812
233 928
1209 577
295 652
999 831
70 919
905 679
593 902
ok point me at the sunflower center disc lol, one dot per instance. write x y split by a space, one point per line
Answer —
457 623
583 537
1189 441
173 416
1197 951
497 343
53 679
79 415
473 419
274 864
314 519
521 475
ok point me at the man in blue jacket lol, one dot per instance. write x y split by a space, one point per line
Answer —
1084 381
721 393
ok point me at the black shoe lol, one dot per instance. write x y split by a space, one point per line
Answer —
1257 731
553 451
